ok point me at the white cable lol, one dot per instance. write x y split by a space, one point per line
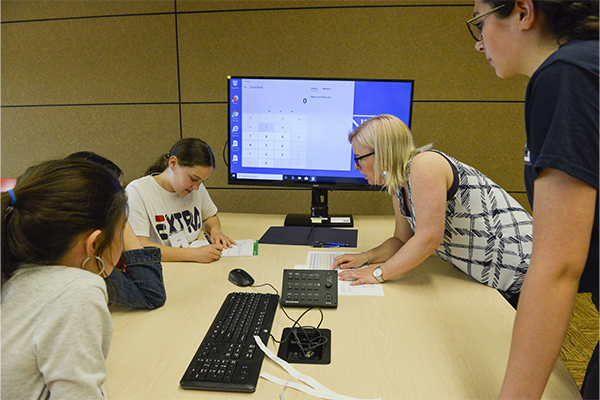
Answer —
316 389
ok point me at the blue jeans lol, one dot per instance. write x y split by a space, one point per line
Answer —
142 286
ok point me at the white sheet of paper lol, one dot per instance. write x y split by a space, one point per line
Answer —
242 248
340 220
324 260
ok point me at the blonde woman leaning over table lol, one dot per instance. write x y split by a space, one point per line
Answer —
442 206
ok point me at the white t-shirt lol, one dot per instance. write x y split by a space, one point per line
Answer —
158 214
56 332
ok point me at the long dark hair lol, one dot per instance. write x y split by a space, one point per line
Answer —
566 20
190 152
98 160
55 202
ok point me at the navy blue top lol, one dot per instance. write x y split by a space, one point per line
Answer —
561 119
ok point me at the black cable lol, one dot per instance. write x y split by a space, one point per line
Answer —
283 309
225 158
314 342
265 284
317 339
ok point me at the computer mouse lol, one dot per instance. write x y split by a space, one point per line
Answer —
240 277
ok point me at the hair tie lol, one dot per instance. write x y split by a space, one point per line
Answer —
13 199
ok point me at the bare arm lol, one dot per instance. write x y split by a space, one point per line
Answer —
384 251
562 225
204 254
130 240
431 176
213 227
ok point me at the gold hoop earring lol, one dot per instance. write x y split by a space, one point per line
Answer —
97 259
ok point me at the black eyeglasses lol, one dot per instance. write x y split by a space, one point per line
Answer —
475 27
357 160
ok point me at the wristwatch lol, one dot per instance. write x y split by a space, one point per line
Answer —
378 274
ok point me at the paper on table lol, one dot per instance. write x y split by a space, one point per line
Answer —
246 247
324 260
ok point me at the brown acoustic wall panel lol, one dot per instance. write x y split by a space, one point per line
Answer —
129 78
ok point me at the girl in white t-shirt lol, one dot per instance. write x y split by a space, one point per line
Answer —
170 207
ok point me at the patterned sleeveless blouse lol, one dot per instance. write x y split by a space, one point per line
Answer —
488 235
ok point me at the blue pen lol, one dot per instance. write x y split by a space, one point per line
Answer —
207 238
329 244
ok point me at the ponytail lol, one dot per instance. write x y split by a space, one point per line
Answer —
190 152
54 203
159 165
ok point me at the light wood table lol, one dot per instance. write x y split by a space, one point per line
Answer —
436 333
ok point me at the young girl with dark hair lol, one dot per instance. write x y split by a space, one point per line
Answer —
138 279
555 44
170 207
62 232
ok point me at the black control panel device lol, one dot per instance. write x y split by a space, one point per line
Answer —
310 288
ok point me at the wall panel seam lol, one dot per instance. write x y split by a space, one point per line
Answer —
236 11
327 8
178 71
84 17
225 102
160 103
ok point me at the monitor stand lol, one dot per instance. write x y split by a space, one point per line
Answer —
319 215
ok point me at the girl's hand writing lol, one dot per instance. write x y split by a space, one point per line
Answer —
219 238
209 253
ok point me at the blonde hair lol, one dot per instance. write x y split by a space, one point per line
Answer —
393 144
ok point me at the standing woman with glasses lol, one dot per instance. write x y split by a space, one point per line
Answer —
442 206
62 232
554 43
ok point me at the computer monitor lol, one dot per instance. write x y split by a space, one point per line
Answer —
293 132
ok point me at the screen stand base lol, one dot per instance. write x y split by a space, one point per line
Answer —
331 221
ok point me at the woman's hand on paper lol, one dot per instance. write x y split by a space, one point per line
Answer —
359 276
346 261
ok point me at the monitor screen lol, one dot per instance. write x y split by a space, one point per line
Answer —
294 131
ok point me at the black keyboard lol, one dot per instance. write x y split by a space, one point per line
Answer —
228 358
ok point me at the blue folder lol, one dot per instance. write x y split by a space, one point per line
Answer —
309 236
